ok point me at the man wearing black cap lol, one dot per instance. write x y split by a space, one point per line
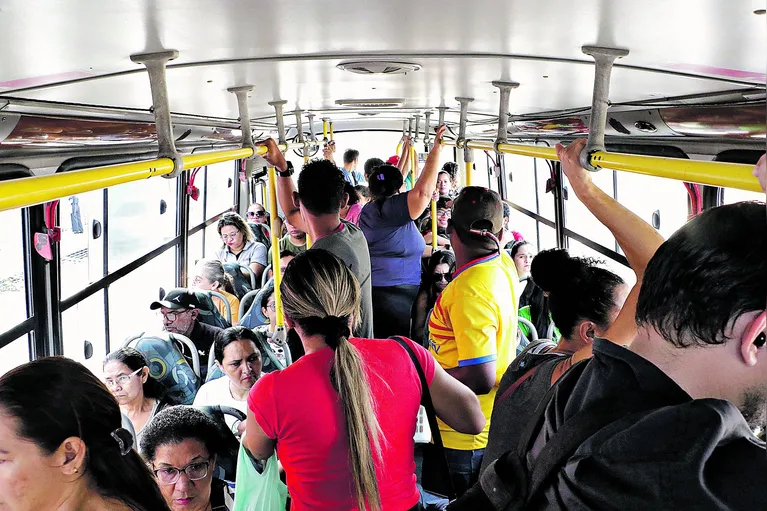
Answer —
473 328
179 310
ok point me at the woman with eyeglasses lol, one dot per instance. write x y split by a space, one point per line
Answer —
210 276
439 273
180 446
126 375
444 205
239 245
395 244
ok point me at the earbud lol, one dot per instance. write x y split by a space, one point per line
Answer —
760 340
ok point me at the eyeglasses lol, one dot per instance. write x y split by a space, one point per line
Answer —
256 214
271 306
122 379
444 213
194 471
232 237
172 316
448 277
197 280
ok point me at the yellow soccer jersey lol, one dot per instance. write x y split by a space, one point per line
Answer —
474 321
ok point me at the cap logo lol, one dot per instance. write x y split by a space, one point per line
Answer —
177 299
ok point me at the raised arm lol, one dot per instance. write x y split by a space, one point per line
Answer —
404 158
286 188
420 196
638 239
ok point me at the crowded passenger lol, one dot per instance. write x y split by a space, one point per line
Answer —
294 241
443 217
681 402
181 446
238 357
351 212
509 236
210 276
355 449
446 181
315 209
363 192
439 273
473 327
285 258
533 305
275 356
180 311
370 164
258 214
351 174
396 247
239 245
62 444
126 375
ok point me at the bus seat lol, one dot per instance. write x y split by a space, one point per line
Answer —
169 366
128 425
226 459
261 234
246 302
254 317
266 276
208 311
243 278
226 303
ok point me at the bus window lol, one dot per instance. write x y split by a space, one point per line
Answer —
521 189
548 237
524 225
82 255
12 287
213 241
14 354
545 200
645 195
194 253
129 297
196 207
576 248
732 195
580 220
85 322
221 186
136 226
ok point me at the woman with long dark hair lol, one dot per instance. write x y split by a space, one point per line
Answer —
343 416
62 445
439 273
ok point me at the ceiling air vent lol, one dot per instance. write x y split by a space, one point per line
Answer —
372 103
378 67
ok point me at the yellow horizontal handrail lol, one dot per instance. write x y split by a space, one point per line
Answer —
28 191
727 175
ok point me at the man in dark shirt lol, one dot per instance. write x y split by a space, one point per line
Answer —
315 209
672 416
179 309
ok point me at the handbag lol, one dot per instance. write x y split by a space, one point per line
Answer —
436 472
258 490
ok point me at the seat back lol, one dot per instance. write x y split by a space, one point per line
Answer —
246 302
226 459
169 367
254 317
243 283
208 311
261 234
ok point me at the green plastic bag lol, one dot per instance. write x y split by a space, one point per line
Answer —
258 492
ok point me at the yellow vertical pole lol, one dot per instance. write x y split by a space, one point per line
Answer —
433 225
331 130
325 129
468 173
275 246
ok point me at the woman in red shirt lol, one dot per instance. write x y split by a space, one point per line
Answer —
343 416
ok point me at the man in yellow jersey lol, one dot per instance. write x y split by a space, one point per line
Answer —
473 327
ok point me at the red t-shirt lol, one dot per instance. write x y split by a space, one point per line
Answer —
300 409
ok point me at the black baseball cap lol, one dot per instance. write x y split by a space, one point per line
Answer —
179 298
444 202
478 208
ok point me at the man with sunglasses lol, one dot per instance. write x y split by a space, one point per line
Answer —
473 327
180 309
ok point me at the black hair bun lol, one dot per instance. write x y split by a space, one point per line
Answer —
555 269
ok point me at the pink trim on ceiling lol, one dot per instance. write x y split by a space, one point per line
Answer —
42 80
720 71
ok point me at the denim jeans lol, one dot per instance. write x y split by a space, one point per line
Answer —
464 468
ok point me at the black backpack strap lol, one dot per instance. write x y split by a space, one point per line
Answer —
430 412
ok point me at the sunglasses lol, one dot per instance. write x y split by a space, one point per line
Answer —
256 214
447 277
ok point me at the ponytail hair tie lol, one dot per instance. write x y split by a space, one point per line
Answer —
124 440
381 176
335 329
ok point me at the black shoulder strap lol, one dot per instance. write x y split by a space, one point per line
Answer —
430 412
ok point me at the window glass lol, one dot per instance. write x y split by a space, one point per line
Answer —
578 249
136 225
524 225
522 185
14 354
545 200
196 207
213 241
130 297
548 237
644 195
82 254
85 322
220 193
194 252
12 287
579 219
733 195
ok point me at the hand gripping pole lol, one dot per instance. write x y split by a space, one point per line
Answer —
604 59
155 65
247 135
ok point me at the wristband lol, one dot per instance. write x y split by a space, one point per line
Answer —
287 172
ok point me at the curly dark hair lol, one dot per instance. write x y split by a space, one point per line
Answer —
176 424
